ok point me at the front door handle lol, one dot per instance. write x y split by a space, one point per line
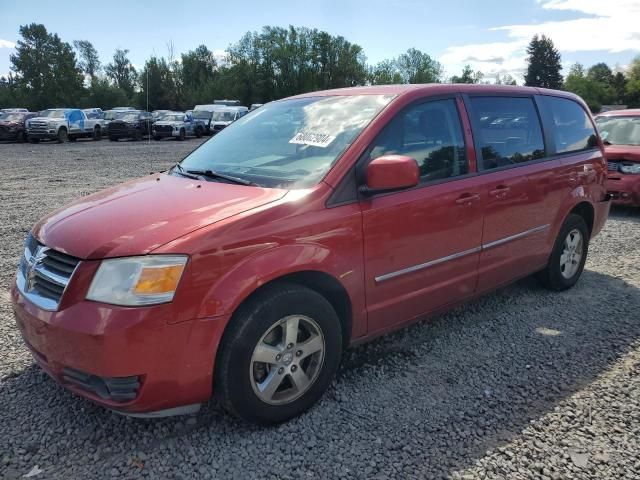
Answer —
467 198
500 191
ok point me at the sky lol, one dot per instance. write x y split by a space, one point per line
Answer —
490 35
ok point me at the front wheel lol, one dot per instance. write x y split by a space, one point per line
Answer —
62 135
183 135
569 255
97 134
278 355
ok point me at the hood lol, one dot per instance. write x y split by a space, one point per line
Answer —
171 124
622 152
221 123
10 123
139 216
47 119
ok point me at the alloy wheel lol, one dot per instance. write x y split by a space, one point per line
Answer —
571 254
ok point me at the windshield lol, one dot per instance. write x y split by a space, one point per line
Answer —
291 143
111 115
128 117
171 117
12 117
53 114
223 116
202 114
619 130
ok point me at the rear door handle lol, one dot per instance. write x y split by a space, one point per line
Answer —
467 198
500 191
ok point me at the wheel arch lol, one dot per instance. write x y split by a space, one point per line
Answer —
320 282
586 211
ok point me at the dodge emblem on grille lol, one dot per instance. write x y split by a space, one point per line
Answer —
32 263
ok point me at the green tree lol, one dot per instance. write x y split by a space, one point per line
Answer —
385 73
544 65
601 73
158 80
506 79
632 88
45 69
122 72
89 61
468 76
619 86
592 91
418 67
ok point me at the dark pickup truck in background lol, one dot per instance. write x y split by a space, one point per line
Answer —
133 124
12 125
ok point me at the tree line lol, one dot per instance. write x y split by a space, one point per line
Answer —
273 63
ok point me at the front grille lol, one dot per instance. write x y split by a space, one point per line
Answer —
44 274
118 128
117 389
613 166
38 126
163 128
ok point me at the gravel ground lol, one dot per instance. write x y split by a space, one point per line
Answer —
521 384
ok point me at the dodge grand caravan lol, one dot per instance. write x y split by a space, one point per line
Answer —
313 223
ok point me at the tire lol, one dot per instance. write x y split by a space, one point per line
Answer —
199 132
62 135
97 134
20 137
157 137
182 136
238 374
566 262
137 136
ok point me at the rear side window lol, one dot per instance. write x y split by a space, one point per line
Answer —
508 131
432 134
572 128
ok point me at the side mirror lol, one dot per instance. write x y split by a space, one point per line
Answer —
391 172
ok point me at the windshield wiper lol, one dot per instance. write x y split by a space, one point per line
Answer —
212 174
184 173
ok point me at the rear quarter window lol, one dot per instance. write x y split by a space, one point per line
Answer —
571 126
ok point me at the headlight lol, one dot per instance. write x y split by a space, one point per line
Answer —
137 281
630 168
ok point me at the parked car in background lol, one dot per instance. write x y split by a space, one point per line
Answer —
12 125
133 124
14 110
620 131
123 108
228 103
254 106
63 124
225 116
178 125
328 219
205 114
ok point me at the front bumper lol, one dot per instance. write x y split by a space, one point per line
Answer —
624 189
95 350
8 134
48 135
127 132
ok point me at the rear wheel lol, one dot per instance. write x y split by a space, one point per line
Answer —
137 135
278 355
569 255
199 132
62 135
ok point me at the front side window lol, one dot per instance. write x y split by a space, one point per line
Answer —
619 130
431 134
572 127
508 131
290 143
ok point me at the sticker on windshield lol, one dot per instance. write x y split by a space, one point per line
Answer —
312 139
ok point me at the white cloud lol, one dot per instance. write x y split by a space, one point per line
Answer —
608 26
7 44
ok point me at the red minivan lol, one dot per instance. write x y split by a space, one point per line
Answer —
620 131
313 223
